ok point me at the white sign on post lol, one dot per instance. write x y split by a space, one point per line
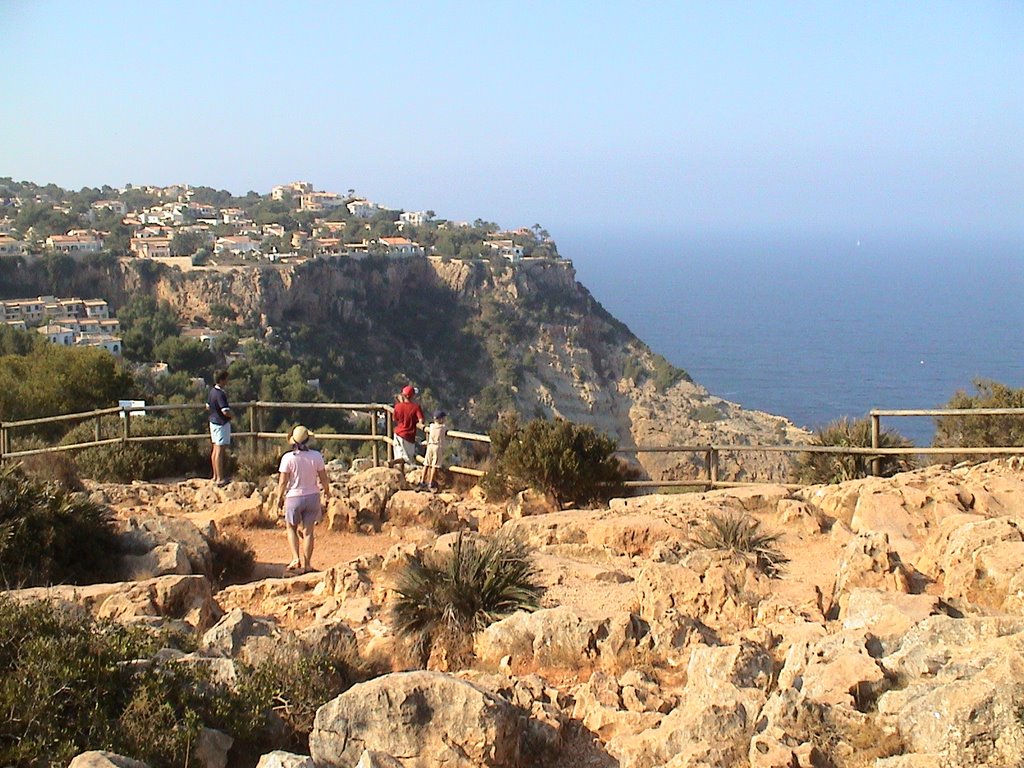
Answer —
125 405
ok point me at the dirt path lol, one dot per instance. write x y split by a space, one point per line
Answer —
330 548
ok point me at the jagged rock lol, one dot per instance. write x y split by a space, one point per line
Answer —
606 531
554 637
280 759
882 512
187 598
714 720
233 632
837 669
384 479
886 615
212 747
140 535
414 508
979 561
243 512
163 560
531 502
374 759
102 759
795 516
962 690
422 718
710 588
343 514
912 761
599 705
868 561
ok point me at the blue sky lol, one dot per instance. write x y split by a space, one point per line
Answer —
854 117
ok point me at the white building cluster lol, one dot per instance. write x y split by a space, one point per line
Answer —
70 322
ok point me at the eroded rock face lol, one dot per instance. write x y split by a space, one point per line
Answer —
422 719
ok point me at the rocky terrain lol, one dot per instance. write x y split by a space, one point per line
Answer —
893 637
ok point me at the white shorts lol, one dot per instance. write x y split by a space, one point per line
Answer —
405 450
220 434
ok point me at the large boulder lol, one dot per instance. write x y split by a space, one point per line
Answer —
423 719
236 630
868 561
558 637
962 690
102 759
280 759
142 534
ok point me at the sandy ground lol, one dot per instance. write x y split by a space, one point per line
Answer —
330 548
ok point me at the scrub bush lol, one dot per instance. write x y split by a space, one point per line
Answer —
233 559
451 596
980 431
572 462
51 536
742 535
815 468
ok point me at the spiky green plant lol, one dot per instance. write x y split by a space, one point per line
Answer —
459 592
814 468
741 534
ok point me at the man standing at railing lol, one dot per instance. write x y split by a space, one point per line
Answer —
220 427
408 418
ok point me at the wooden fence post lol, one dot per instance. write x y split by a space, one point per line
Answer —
389 426
4 447
373 433
254 426
876 432
713 453
126 426
98 430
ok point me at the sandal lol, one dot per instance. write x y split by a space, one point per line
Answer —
294 565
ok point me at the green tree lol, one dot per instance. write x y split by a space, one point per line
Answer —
189 355
145 323
186 243
980 431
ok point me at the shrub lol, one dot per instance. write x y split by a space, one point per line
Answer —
980 431
741 534
571 462
233 559
813 468
255 466
69 683
142 461
49 535
451 596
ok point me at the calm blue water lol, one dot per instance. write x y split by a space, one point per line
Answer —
817 328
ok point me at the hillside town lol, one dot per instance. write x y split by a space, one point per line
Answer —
187 226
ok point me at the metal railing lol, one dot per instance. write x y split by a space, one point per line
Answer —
255 412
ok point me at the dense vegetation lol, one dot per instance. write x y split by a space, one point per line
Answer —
969 430
571 462
49 535
69 683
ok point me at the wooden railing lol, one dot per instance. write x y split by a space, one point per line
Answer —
253 417
378 437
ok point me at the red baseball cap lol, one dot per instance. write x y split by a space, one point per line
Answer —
408 390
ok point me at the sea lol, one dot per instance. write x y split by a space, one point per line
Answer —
815 327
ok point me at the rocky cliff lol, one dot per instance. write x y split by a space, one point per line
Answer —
478 338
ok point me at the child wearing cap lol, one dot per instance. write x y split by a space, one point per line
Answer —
436 433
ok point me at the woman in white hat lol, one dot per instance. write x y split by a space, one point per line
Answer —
298 495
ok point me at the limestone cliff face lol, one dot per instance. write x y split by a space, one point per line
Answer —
479 337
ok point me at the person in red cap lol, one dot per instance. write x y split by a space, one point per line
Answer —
408 418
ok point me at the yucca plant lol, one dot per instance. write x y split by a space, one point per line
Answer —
815 468
743 535
455 594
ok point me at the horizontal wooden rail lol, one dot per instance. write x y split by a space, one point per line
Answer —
474 436
947 412
64 417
